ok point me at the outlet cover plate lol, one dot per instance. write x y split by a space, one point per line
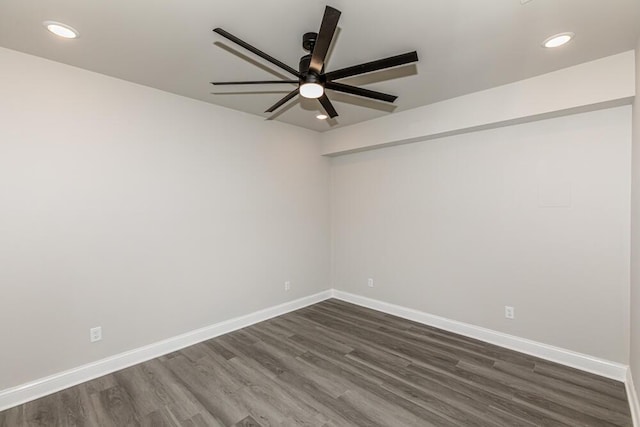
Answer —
95 334
509 312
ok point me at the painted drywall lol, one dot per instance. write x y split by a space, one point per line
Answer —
635 234
143 212
561 92
535 216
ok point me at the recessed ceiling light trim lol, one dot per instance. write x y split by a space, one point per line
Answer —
61 30
558 40
322 117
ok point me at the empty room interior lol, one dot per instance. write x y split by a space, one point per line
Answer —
355 213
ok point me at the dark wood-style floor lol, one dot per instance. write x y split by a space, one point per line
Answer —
336 364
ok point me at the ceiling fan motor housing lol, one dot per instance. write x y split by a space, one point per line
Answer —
304 64
309 41
306 75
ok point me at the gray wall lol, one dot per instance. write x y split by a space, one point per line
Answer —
535 216
635 234
143 212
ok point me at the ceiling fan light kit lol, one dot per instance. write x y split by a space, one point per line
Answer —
312 80
311 90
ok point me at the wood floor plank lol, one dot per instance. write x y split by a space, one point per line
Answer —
142 393
196 421
158 418
305 399
284 398
469 410
324 401
247 422
76 407
13 417
547 398
374 382
44 411
221 404
511 418
334 364
172 394
582 393
582 379
118 405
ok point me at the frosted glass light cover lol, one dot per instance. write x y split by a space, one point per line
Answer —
558 40
61 30
311 90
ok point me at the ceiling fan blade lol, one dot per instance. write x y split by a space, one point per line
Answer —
380 64
325 35
257 51
360 91
283 101
328 106
256 82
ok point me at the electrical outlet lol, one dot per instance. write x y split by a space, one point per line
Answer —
370 283
509 312
95 334
287 285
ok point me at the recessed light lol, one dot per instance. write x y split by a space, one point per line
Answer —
322 117
558 40
62 30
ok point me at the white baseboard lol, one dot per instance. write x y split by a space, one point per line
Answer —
581 361
33 390
51 384
634 403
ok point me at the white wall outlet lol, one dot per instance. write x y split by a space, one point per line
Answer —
95 334
370 283
509 312
287 285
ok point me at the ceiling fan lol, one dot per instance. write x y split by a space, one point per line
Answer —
312 80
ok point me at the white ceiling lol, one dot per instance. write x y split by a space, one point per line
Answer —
464 45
